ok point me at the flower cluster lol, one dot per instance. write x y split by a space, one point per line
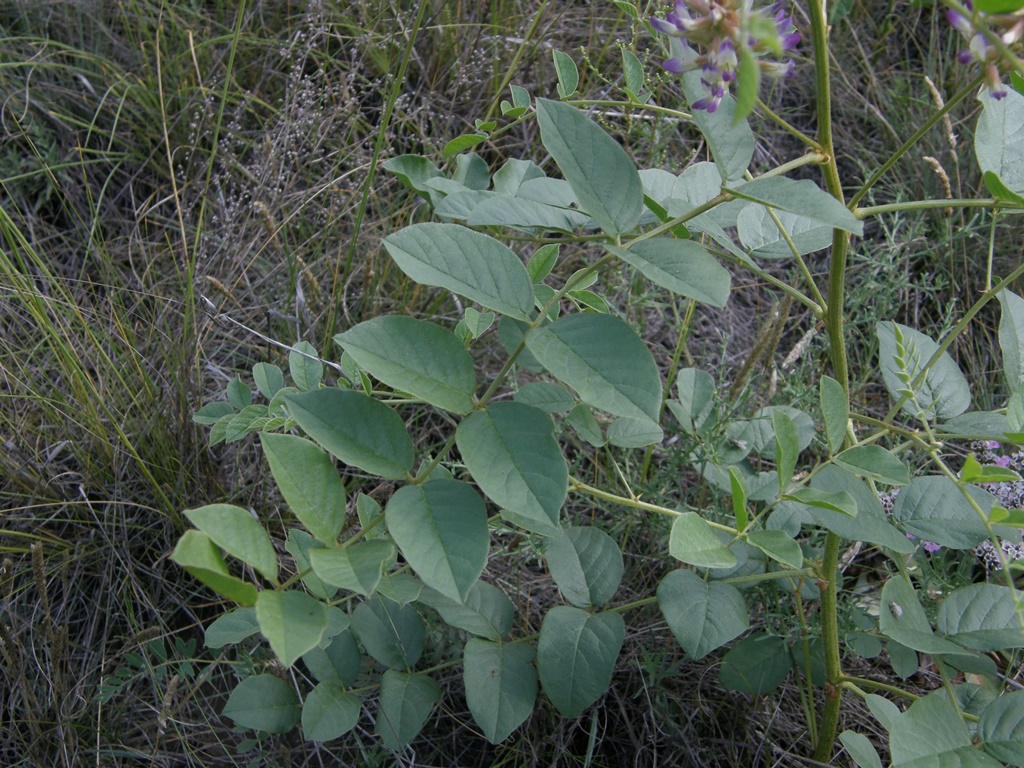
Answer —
713 33
1009 29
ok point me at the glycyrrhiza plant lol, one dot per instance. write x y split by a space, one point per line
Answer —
360 580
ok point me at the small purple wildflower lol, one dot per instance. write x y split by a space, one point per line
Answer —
720 28
1009 28
929 546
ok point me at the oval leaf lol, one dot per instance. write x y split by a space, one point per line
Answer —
999 139
982 617
197 554
756 665
264 702
595 165
586 564
604 360
238 533
702 616
934 509
232 627
695 542
511 451
357 567
680 266
441 529
1001 728
576 655
486 612
874 463
414 356
293 623
329 712
391 633
931 728
1011 338
357 429
803 197
406 702
944 389
309 483
835 407
501 686
469 263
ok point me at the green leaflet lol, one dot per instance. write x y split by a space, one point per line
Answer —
933 508
1001 728
414 356
197 554
681 266
264 702
576 654
982 617
801 197
511 451
695 542
466 262
441 529
238 533
329 712
586 564
356 428
406 702
999 139
357 567
600 172
604 360
944 389
703 616
486 612
392 634
756 665
293 622
309 483
306 369
501 686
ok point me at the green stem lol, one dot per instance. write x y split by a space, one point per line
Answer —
830 639
757 578
927 205
829 572
855 684
959 96
791 130
581 487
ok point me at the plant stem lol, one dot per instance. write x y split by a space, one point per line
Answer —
834 324
855 684
959 96
579 486
925 205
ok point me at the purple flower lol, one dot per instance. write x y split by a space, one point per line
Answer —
713 31
929 546
1009 28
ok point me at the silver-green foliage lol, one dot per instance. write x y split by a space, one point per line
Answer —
373 583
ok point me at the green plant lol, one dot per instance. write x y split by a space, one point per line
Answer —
361 579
